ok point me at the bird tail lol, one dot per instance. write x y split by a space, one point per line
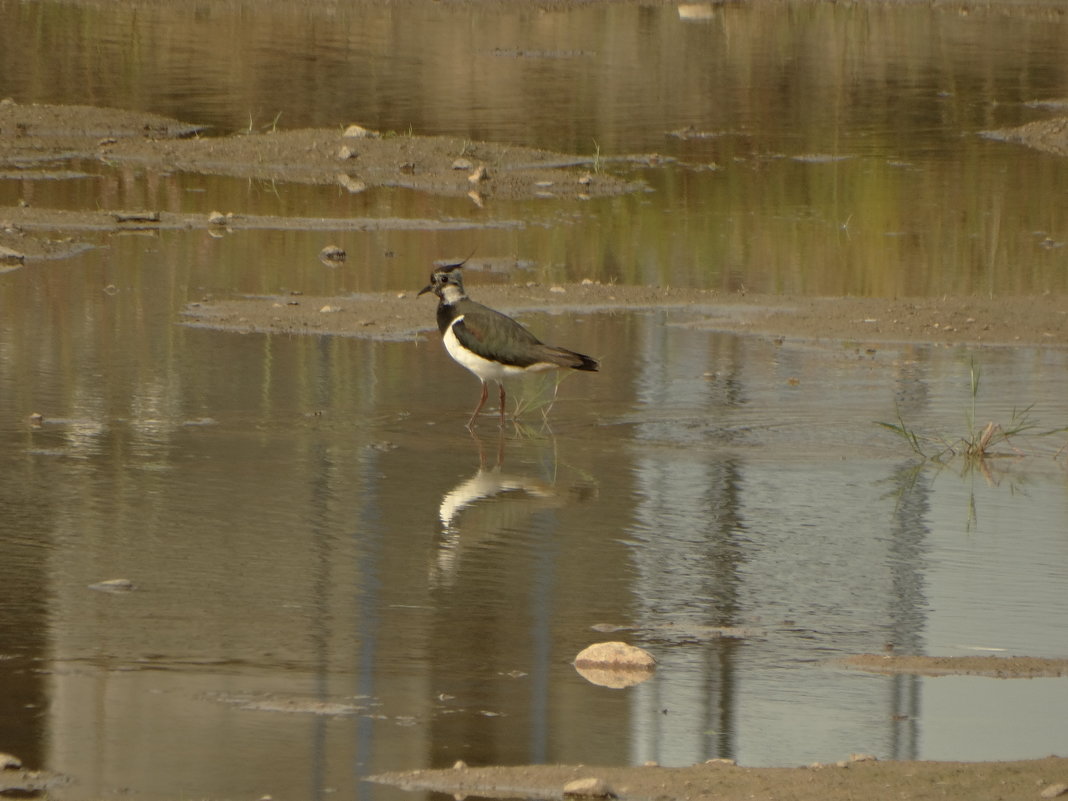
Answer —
568 358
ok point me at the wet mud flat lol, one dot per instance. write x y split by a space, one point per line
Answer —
35 137
949 321
858 776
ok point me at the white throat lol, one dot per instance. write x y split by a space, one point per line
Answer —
450 293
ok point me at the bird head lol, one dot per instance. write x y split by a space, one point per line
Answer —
445 275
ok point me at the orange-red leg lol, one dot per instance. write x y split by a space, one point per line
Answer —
481 403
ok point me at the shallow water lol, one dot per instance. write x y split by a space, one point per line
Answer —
332 578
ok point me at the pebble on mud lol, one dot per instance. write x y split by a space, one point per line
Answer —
1052 791
344 153
589 788
218 218
863 758
353 185
36 420
8 256
359 132
462 164
480 174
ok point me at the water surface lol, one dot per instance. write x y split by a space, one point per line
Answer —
333 578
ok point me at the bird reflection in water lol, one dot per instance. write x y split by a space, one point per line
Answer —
495 502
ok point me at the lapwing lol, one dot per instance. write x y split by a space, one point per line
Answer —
491 345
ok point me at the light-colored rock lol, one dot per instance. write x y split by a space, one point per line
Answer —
480 174
591 787
9 256
113 585
217 218
359 132
616 654
614 664
333 253
462 164
1055 790
863 758
351 183
9 762
345 152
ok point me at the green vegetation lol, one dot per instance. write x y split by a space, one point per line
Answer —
979 441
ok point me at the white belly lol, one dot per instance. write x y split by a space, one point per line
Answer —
484 368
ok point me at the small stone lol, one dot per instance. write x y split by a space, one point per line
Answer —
107 140
462 164
1052 791
113 585
136 216
36 420
217 218
351 183
543 184
333 253
459 764
721 761
359 132
589 788
557 289
9 762
616 654
328 309
863 758
344 153
588 282
9 256
480 174
408 168
585 179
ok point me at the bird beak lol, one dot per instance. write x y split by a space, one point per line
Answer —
424 290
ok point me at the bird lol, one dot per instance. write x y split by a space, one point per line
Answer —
491 345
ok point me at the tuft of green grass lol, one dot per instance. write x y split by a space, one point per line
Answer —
980 441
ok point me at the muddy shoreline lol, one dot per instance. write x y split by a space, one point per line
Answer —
862 321
34 137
